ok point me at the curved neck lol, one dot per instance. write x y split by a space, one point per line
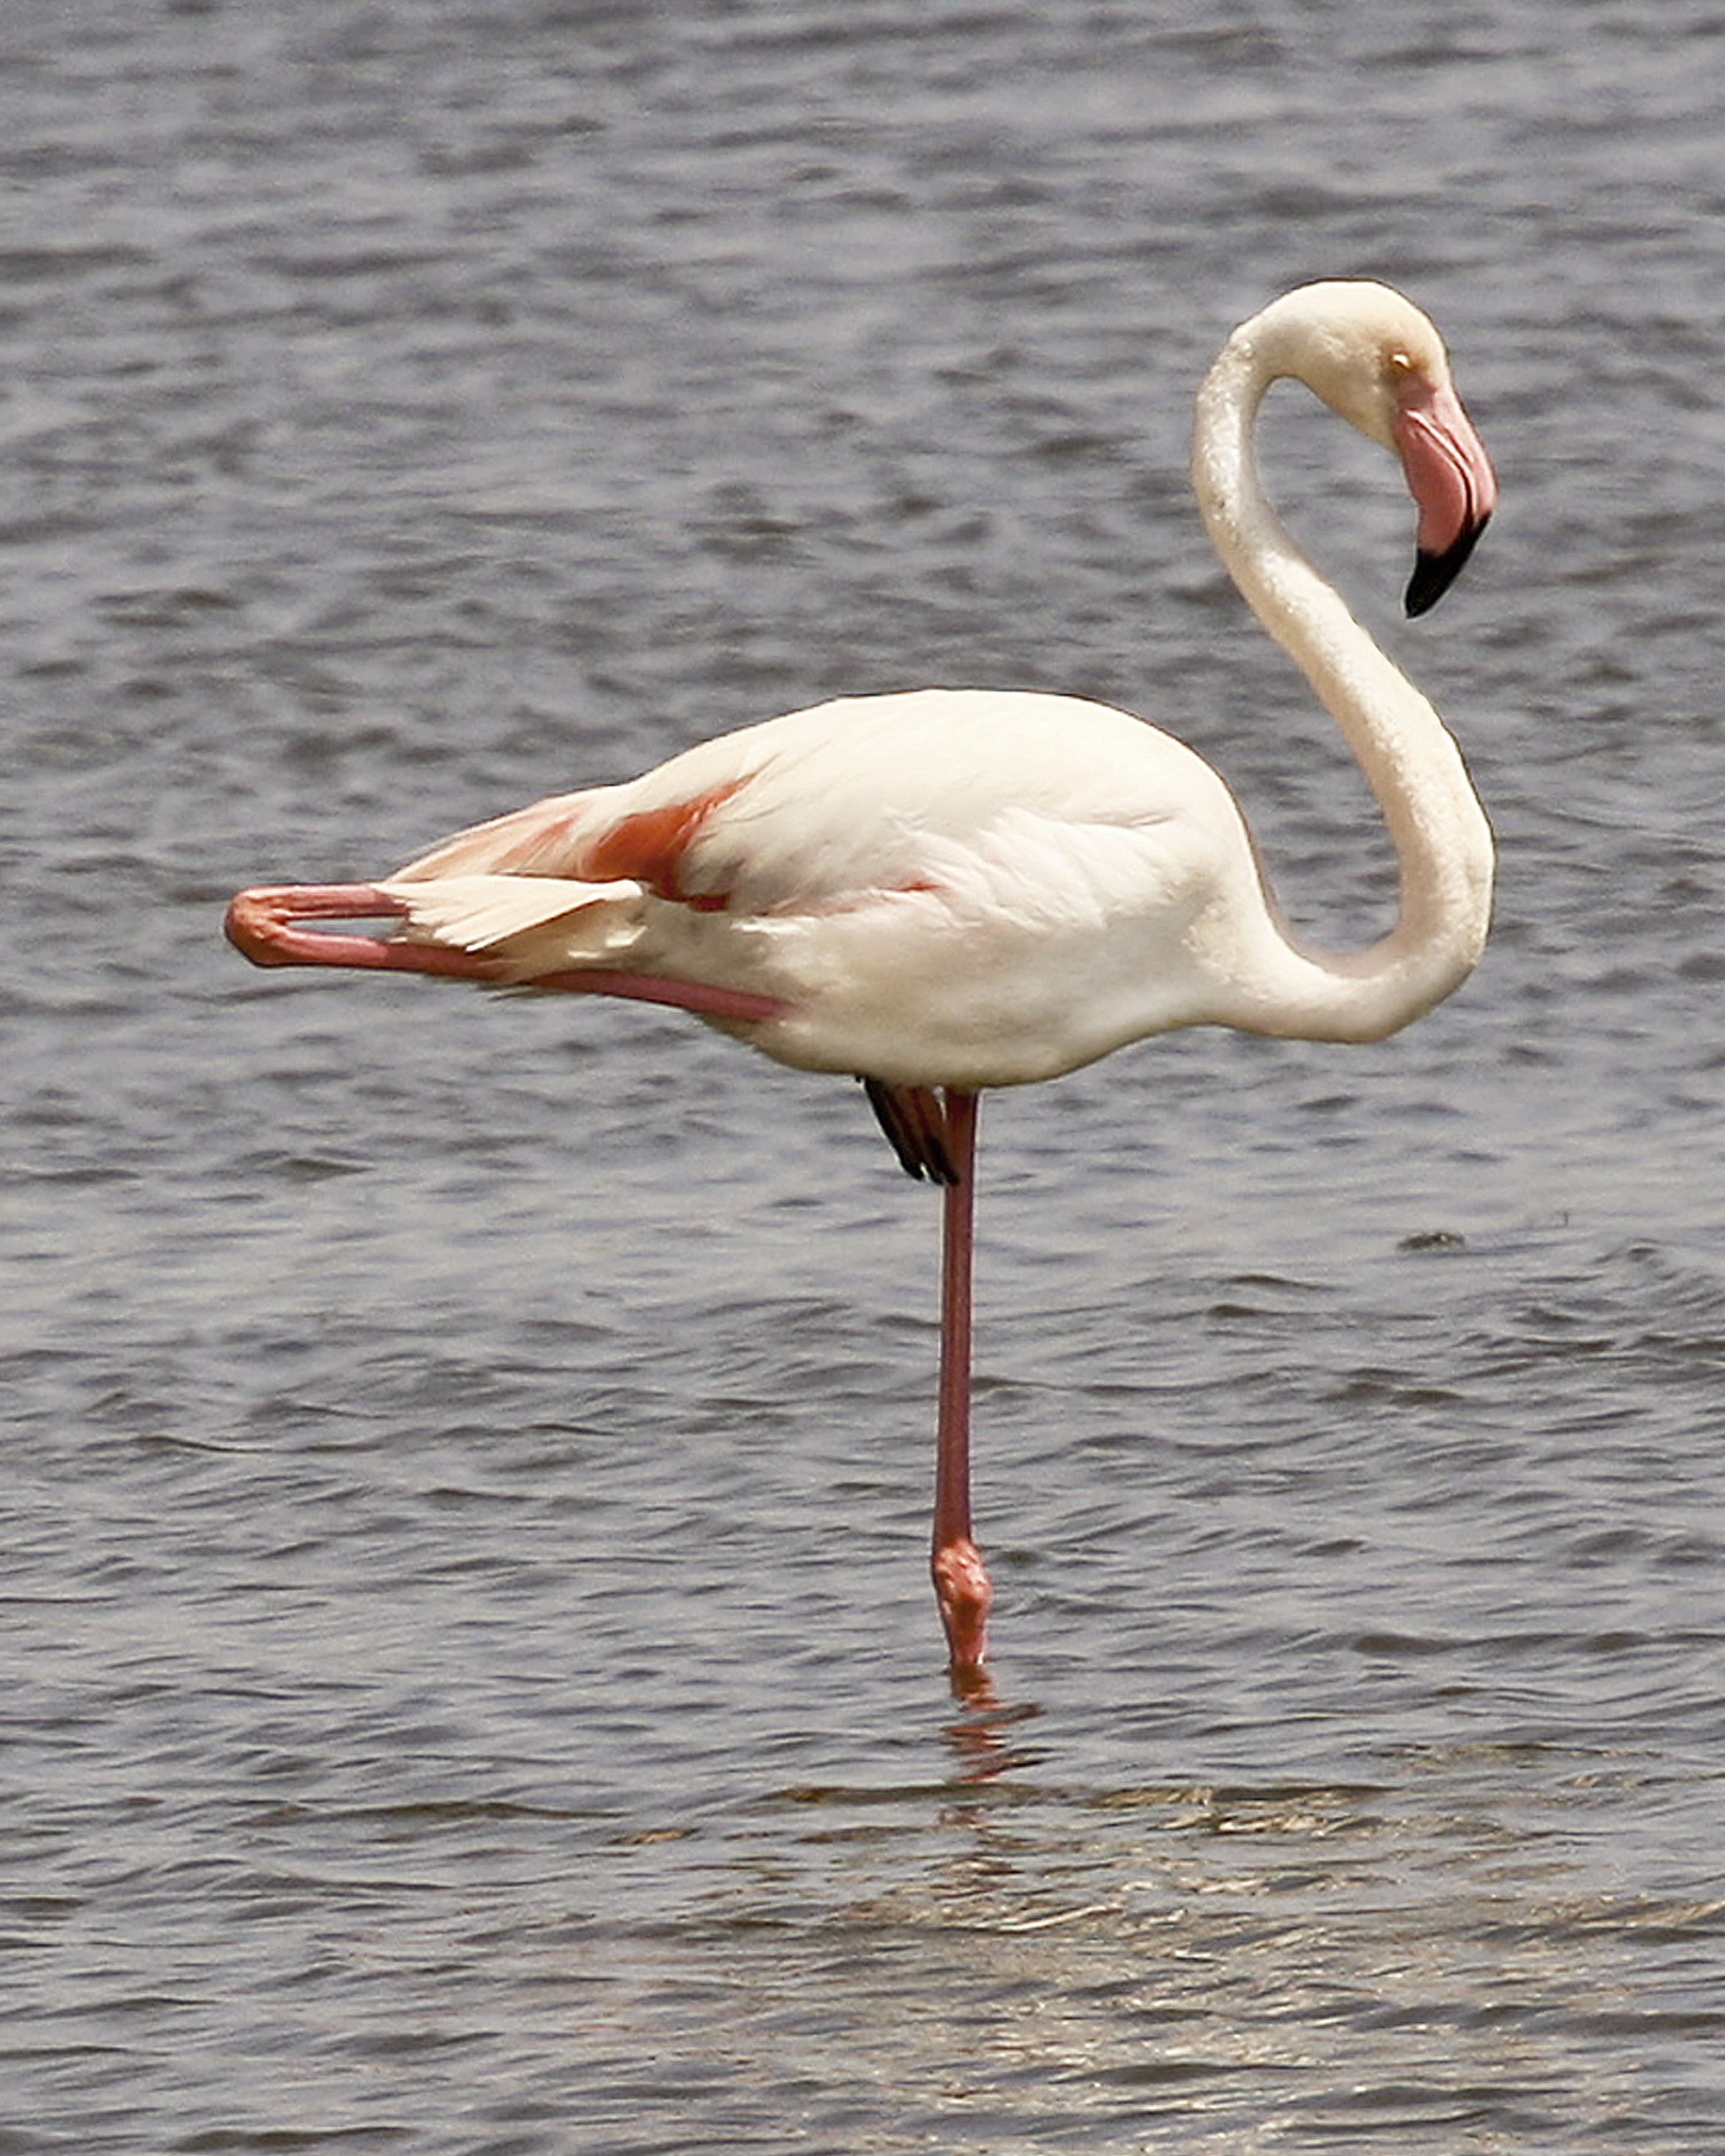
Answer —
1442 840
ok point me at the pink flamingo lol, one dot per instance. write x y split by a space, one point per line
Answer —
948 890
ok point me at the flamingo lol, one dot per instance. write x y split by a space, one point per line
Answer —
948 890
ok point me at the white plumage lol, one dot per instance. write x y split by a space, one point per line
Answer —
951 887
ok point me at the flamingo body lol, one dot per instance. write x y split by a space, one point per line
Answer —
951 887
955 889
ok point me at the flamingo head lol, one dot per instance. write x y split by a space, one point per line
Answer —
1379 363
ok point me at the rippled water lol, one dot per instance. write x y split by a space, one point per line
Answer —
471 1683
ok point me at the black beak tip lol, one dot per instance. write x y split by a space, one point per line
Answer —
1433 573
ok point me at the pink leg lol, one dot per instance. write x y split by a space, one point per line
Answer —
960 1579
265 924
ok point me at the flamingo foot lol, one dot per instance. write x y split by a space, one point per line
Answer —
265 924
965 1594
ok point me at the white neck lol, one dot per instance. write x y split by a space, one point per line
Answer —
1442 840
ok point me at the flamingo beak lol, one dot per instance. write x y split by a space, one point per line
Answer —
1451 480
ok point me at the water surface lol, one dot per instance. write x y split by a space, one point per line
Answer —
472 1684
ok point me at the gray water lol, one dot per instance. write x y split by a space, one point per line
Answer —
470 1681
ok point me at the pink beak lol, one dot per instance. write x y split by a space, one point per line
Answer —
1453 484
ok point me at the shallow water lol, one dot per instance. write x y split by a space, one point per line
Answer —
473 1684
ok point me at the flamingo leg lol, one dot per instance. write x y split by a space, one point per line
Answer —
962 1586
265 924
